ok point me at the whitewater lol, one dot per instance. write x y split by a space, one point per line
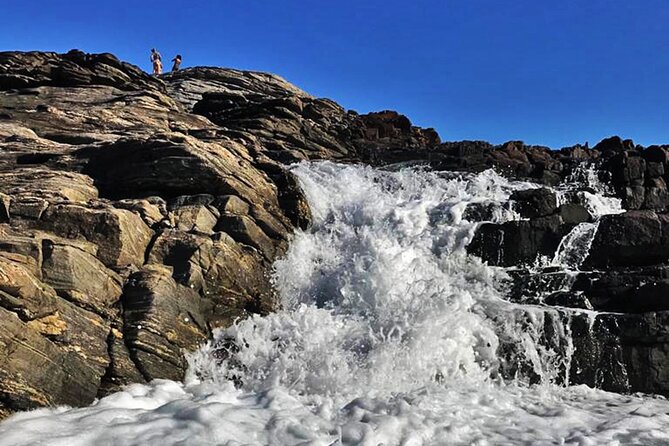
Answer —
390 334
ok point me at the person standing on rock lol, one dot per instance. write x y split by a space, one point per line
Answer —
157 62
177 63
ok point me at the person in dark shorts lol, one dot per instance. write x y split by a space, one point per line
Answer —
177 63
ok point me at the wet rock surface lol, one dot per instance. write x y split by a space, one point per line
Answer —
137 214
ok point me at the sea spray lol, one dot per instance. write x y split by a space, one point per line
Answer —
380 295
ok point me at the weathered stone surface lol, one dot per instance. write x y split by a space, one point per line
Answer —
121 235
80 277
35 372
232 276
45 183
172 164
244 230
232 204
161 317
23 293
196 218
25 70
121 370
152 210
92 150
76 331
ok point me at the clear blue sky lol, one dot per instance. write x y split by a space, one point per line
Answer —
546 72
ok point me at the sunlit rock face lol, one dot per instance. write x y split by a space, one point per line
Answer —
128 231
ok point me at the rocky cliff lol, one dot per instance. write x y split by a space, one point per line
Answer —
139 213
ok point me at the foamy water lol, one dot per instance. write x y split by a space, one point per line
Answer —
390 335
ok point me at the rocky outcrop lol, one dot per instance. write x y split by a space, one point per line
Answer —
130 227
638 176
288 125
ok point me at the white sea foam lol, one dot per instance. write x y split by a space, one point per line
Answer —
391 335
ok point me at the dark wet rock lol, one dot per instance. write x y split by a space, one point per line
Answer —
531 203
517 242
614 144
638 175
484 211
523 242
568 299
573 214
621 352
626 289
634 238
528 286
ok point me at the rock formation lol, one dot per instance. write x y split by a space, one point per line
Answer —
137 214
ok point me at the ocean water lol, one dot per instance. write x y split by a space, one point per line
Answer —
390 334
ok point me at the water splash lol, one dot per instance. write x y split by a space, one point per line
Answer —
575 246
380 295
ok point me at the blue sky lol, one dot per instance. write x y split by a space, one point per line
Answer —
552 73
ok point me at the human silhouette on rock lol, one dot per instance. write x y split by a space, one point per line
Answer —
157 62
177 63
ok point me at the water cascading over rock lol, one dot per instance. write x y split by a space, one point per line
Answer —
140 214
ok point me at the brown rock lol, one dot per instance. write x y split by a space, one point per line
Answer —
121 235
195 218
35 372
81 277
244 230
24 294
161 318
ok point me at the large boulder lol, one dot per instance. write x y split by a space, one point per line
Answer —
232 276
626 289
517 242
621 352
634 238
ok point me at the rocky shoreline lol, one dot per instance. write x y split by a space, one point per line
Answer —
138 214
